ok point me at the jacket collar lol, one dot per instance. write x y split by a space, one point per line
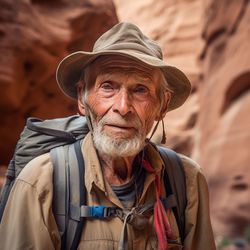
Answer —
94 175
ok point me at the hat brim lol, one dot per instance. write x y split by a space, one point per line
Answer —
70 69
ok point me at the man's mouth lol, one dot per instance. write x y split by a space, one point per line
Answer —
120 127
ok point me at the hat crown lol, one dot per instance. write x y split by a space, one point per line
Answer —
127 37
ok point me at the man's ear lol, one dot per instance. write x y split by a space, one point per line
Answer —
81 106
164 108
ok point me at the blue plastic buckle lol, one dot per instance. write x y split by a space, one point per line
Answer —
97 211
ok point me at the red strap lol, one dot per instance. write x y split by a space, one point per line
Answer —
162 225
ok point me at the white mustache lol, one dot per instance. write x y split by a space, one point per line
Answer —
133 122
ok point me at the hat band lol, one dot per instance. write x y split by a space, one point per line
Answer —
130 47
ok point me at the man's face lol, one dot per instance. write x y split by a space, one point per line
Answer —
123 102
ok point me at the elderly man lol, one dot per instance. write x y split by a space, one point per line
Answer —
123 86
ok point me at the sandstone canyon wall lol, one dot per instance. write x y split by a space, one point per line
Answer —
209 40
224 122
34 36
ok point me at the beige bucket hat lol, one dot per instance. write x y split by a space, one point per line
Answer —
127 40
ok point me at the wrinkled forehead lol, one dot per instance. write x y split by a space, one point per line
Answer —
120 64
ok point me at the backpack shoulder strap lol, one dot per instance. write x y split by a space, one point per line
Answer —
69 192
5 192
175 183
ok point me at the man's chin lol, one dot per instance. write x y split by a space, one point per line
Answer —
121 139
119 145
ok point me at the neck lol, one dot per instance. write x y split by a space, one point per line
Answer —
117 170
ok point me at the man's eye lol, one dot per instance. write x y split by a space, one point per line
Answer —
107 86
141 89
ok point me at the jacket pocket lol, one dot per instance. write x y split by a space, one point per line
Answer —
175 244
172 244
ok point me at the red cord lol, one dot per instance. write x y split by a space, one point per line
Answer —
161 222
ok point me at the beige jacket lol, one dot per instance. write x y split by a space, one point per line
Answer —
28 221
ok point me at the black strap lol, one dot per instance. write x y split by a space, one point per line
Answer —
175 183
60 188
82 194
10 178
68 179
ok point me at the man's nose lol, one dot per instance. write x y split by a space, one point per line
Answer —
122 103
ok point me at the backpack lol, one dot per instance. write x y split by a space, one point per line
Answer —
62 137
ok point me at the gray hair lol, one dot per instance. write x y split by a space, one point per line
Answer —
164 87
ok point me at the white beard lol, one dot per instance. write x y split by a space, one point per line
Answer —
117 147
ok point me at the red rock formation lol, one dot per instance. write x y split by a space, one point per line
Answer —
224 143
34 36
